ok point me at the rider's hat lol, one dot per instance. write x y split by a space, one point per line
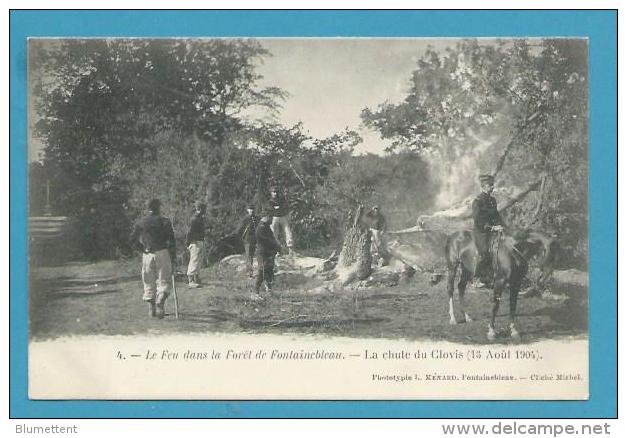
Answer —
154 205
486 178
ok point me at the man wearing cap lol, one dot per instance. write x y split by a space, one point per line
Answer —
246 231
195 242
486 219
154 236
280 218
267 249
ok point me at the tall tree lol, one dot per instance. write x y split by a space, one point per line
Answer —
104 105
517 108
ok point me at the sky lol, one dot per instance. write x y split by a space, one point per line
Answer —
331 80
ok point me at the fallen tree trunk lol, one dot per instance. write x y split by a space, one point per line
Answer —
530 188
459 217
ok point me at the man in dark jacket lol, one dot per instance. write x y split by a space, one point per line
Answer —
377 223
247 229
486 219
154 236
267 249
195 241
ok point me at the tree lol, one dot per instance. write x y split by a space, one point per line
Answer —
105 104
447 99
516 106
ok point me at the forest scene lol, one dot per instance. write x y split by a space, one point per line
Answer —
121 121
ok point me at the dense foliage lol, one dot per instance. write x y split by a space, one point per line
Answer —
127 120
109 105
124 120
515 108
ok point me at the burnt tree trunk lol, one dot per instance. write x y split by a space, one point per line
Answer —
540 198
355 260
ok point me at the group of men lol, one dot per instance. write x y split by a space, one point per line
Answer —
153 235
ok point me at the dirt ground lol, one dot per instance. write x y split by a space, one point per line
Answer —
105 298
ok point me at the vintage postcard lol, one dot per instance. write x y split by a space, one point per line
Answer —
308 218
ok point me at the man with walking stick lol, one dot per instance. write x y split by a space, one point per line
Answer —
153 235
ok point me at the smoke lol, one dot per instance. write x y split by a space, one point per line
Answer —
458 162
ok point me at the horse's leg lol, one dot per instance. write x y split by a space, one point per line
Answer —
464 278
499 285
514 288
450 288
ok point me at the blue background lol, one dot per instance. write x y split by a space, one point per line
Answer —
599 26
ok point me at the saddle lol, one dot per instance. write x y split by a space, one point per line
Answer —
500 241
495 242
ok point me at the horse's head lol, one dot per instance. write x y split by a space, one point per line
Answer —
545 245
542 247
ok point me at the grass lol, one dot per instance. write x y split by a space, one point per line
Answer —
105 298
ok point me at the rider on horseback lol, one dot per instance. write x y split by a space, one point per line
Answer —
486 220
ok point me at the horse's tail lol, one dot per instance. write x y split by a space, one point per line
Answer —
555 249
452 256
550 259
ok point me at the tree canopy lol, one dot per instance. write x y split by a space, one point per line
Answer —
124 120
527 99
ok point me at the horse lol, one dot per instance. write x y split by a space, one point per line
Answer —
510 261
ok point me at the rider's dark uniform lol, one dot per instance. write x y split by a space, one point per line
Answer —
485 215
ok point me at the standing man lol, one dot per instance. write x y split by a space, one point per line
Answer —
280 218
195 242
486 219
246 231
377 223
154 236
267 249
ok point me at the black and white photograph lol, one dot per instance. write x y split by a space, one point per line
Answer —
323 203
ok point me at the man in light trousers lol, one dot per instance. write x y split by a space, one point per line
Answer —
196 245
154 236
280 219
